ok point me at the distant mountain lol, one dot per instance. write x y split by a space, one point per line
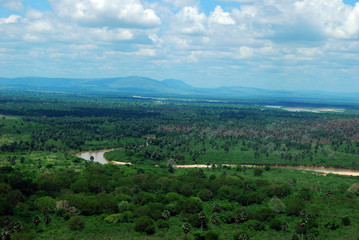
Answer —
170 87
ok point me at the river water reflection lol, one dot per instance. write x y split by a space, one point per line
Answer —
100 158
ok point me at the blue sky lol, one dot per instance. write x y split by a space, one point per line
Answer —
272 44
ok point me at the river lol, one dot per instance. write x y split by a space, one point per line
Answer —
100 158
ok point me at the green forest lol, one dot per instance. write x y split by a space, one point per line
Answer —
241 192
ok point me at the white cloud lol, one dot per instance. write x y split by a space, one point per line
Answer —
12 4
10 19
190 21
221 17
115 13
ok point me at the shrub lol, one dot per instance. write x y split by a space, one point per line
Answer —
205 194
199 235
332 224
264 214
240 236
346 221
277 205
294 206
76 223
144 224
113 218
162 224
275 224
226 217
211 235
45 202
253 225
279 190
258 172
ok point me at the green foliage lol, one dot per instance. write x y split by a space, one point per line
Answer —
332 224
253 225
294 206
258 172
241 235
160 223
199 235
145 224
275 224
277 205
346 221
76 223
45 202
211 235
205 194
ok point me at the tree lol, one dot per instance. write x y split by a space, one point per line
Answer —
47 220
166 214
76 223
284 227
36 220
214 219
186 228
202 218
242 217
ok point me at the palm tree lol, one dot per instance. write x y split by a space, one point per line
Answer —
302 223
242 217
5 234
284 227
36 221
47 220
216 208
186 227
202 218
166 214
214 219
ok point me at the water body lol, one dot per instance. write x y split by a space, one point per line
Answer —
100 158
97 154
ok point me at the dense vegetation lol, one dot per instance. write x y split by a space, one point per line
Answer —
46 191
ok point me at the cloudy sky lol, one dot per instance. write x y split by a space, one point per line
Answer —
272 44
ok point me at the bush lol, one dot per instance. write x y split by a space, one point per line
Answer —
113 218
253 225
258 172
211 235
332 224
275 224
294 206
162 224
45 202
346 221
240 235
277 205
205 194
226 217
76 223
144 224
264 214
199 235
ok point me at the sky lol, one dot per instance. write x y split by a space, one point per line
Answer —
270 44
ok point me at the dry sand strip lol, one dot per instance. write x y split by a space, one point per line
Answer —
120 163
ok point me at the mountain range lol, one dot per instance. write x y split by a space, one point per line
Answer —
170 87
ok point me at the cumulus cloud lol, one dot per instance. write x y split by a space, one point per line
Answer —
221 17
109 13
190 21
12 4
